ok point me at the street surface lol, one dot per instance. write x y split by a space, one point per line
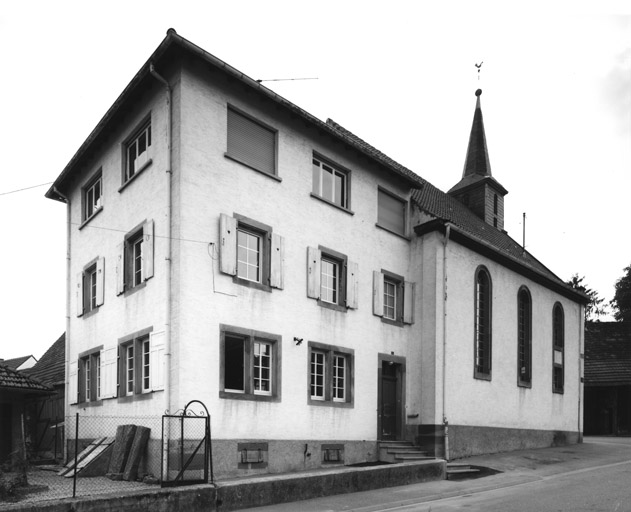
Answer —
594 476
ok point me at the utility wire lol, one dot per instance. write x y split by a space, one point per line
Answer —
25 188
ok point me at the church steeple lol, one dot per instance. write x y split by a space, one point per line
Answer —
477 189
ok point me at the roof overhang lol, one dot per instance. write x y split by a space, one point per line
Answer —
483 248
175 41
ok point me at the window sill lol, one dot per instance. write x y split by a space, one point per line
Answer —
396 323
482 376
86 221
331 203
251 284
138 396
133 290
238 160
136 174
248 396
330 403
91 403
525 385
405 237
329 305
90 313
557 391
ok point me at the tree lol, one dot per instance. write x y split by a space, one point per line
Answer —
594 307
621 302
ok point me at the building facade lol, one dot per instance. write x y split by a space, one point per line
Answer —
318 297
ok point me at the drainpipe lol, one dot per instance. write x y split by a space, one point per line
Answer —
445 422
581 362
167 259
67 341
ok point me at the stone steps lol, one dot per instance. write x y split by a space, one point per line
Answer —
401 451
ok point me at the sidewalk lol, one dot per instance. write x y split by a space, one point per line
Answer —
518 467
359 489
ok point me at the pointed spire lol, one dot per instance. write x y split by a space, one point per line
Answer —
477 161
477 189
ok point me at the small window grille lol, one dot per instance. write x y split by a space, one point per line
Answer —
252 456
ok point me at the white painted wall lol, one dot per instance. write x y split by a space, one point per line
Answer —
500 402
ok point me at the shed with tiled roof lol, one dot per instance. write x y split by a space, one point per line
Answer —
608 378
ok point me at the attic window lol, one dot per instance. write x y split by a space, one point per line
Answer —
138 152
392 212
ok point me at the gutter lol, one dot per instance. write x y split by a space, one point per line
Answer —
486 249
167 259
67 337
445 421
173 38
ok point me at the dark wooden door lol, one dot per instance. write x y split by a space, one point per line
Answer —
6 436
390 403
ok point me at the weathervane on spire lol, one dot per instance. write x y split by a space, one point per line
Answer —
479 66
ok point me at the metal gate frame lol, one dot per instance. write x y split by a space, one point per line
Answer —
185 414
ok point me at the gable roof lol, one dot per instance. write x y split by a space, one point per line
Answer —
174 46
607 353
50 369
12 380
15 362
471 231
428 197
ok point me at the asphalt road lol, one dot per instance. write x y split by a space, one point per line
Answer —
594 476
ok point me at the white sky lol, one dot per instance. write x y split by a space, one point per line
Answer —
399 74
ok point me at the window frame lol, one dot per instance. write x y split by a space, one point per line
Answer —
144 127
329 354
89 209
483 366
250 338
234 155
90 294
524 338
135 267
347 274
405 204
336 169
558 347
144 348
404 297
271 251
88 376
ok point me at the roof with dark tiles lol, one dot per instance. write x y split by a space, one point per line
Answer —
12 380
607 353
431 200
448 210
15 362
50 369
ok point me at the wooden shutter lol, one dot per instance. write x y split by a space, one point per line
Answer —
314 255
73 382
120 268
100 281
109 365
352 284
277 262
80 294
377 293
147 250
409 289
251 142
228 244
156 360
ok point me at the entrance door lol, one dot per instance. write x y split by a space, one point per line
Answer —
390 406
6 436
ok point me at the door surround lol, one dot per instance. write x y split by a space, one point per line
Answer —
400 363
